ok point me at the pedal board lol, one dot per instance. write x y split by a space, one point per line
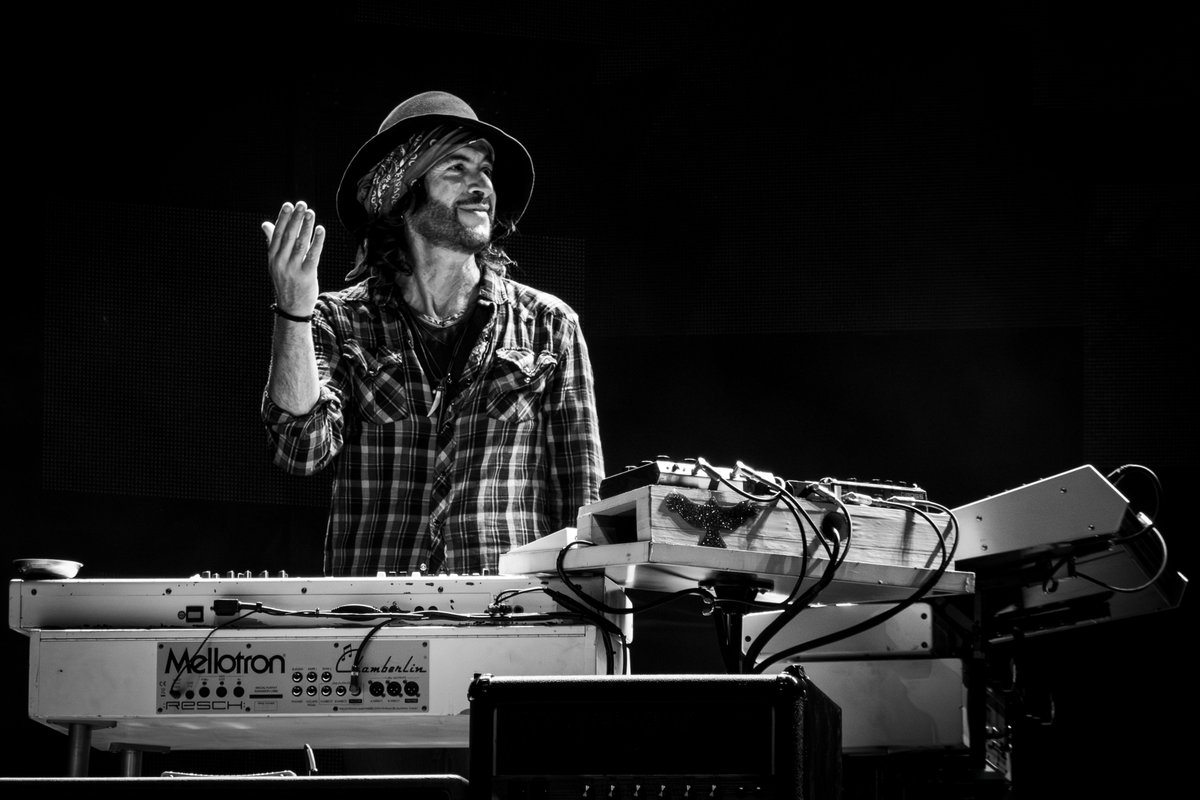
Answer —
687 472
861 492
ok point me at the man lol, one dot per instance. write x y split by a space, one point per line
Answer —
454 406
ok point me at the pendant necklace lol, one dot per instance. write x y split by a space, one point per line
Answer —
441 376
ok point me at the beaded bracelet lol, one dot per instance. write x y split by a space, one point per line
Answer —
275 307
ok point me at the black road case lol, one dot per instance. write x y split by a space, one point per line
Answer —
666 737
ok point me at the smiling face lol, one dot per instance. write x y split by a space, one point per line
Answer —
460 204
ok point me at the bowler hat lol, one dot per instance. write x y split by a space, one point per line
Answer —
514 167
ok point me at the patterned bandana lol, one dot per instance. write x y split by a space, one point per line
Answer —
382 189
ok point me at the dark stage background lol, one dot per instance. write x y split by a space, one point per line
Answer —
946 248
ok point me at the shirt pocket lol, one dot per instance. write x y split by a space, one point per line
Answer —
378 381
518 379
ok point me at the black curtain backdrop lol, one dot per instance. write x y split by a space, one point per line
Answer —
945 246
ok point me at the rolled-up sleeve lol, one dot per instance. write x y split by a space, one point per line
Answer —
304 444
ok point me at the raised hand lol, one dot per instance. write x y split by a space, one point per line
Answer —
294 244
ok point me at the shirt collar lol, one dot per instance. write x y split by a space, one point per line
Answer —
492 288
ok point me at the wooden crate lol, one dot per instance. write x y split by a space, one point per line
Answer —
894 537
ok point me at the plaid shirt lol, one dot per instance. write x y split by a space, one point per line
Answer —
516 454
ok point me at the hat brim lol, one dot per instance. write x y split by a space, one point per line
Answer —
514 167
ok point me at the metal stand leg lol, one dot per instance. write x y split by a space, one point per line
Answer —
79 742
131 763
131 756
729 623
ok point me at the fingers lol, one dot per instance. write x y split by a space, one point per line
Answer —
287 229
318 244
278 229
303 236
290 238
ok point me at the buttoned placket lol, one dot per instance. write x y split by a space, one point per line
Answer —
447 442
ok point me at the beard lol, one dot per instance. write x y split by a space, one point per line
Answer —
440 226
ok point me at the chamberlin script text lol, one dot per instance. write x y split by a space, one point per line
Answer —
388 666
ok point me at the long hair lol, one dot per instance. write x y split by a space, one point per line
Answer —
383 246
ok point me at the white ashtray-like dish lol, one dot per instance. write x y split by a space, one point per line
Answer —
46 567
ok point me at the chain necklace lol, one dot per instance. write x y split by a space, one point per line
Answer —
440 322
450 319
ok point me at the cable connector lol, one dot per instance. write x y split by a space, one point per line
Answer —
312 759
226 607
764 478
